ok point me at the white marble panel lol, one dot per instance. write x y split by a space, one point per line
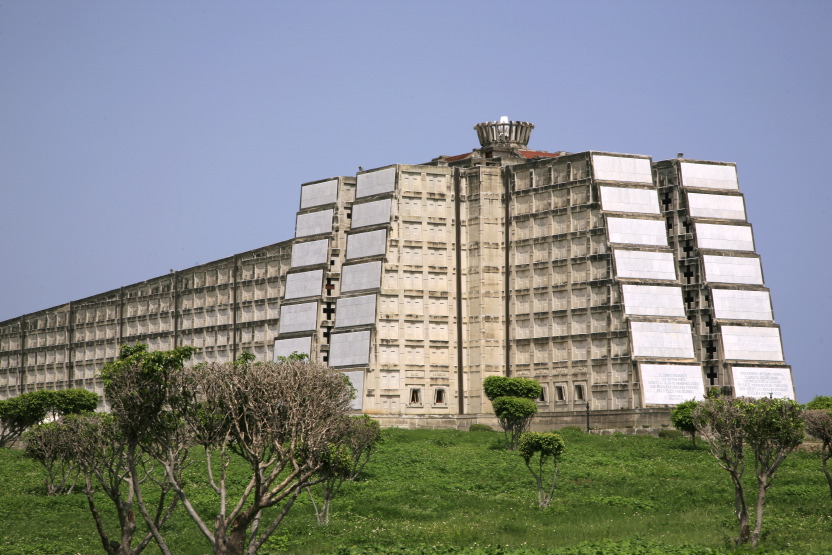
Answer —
709 176
733 269
661 340
644 265
625 199
751 343
620 168
371 213
724 237
356 379
298 317
357 277
763 382
671 384
375 182
349 349
370 243
316 194
309 253
653 300
742 305
726 207
285 347
637 232
355 311
313 223
304 284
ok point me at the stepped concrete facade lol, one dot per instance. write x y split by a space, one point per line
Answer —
622 285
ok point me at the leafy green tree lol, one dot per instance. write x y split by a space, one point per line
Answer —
145 409
819 402
722 424
29 409
542 448
682 418
70 401
294 356
343 462
513 402
19 413
819 424
772 428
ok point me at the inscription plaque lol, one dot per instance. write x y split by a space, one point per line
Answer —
763 382
670 384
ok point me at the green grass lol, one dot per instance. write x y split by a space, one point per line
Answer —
444 491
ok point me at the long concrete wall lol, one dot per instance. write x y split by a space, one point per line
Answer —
223 308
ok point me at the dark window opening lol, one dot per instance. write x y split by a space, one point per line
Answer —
439 397
415 396
579 392
544 395
560 393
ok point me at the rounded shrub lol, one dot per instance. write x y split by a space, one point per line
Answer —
501 386
514 408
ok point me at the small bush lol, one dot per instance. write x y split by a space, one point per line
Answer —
480 428
671 434
682 418
542 447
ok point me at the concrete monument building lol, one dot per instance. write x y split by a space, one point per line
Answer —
620 284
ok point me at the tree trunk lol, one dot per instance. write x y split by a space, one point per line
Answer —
825 456
128 528
231 540
762 488
741 510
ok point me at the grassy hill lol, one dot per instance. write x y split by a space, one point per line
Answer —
445 491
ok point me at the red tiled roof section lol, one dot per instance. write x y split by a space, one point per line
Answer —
538 154
524 153
457 157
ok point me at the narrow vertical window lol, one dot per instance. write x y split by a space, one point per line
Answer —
579 392
415 396
439 397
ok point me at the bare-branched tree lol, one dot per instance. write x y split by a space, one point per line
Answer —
281 419
47 444
99 449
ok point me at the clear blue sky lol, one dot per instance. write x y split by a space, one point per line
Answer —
136 137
